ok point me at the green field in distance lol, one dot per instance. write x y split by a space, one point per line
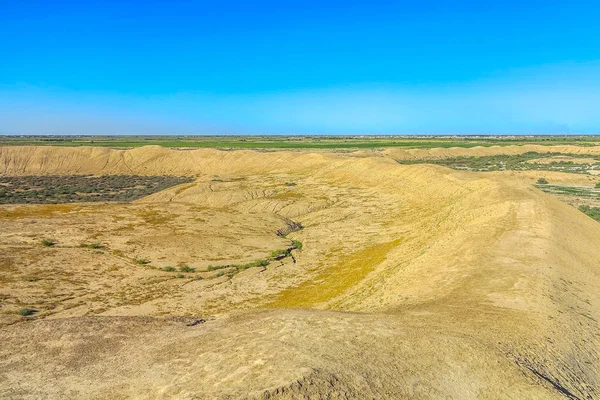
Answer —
296 142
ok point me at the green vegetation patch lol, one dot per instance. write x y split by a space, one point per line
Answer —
593 212
82 188
25 312
187 268
298 142
276 255
515 162
579 191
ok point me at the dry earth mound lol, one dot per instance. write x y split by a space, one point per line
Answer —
413 281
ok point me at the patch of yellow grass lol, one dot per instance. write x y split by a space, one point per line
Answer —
335 280
37 211
155 217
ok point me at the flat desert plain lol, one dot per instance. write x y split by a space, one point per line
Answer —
299 275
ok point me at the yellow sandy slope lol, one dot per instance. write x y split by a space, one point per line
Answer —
414 282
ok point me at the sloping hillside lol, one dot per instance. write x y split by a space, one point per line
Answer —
413 281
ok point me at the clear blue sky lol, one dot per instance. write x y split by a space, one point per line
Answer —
284 67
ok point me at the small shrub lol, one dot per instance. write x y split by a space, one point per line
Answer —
142 261
260 263
180 276
297 244
257 263
48 242
27 311
219 274
542 181
278 254
290 184
597 185
168 268
187 268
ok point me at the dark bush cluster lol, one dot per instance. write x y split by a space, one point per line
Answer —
48 242
82 188
187 268
25 312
